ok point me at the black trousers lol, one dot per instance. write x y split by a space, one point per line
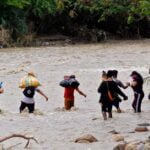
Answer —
116 102
138 97
107 108
29 106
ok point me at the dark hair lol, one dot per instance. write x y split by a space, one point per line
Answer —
136 75
115 73
104 74
109 73
72 76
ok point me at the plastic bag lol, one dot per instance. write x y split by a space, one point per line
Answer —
69 83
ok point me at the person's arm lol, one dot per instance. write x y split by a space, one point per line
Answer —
118 90
80 92
40 92
1 90
123 86
120 84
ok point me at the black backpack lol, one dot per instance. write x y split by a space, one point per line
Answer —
29 92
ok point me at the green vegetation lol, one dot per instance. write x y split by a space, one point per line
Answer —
126 18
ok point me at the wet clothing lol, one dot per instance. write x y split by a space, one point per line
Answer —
69 97
69 93
29 106
68 103
107 108
117 99
138 94
114 90
28 100
138 97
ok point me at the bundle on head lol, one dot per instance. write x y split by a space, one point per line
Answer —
29 81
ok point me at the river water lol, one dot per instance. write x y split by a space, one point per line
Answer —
56 129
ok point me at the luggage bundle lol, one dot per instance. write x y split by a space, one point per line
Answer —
69 81
29 81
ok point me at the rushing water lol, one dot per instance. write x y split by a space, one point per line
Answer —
54 129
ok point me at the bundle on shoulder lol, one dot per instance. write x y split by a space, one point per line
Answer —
69 81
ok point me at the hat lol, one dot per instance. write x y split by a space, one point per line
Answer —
31 74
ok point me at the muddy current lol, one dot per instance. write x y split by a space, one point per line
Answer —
54 128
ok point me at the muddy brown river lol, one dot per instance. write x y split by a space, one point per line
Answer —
56 129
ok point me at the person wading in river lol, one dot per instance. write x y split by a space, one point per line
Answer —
137 86
28 100
70 85
120 85
108 89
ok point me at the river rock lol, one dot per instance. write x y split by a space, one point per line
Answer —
1 147
141 129
147 146
131 146
120 147
113 132
144 124
86 139
117 137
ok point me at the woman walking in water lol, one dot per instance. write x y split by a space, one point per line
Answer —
137 86
108 89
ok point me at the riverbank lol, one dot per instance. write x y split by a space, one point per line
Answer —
31 40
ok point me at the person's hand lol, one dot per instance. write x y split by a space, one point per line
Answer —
125 98
46 98
128 83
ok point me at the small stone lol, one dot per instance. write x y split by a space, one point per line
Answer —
117 137
86 139
141 129
114 132
95 118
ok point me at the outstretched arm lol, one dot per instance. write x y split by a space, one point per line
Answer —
40 92
120 84
80 92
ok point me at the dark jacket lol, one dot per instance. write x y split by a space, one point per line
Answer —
113 88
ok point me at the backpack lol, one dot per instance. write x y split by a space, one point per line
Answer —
29 92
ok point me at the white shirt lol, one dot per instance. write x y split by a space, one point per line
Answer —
28 100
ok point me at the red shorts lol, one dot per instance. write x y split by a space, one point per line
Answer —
68 103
